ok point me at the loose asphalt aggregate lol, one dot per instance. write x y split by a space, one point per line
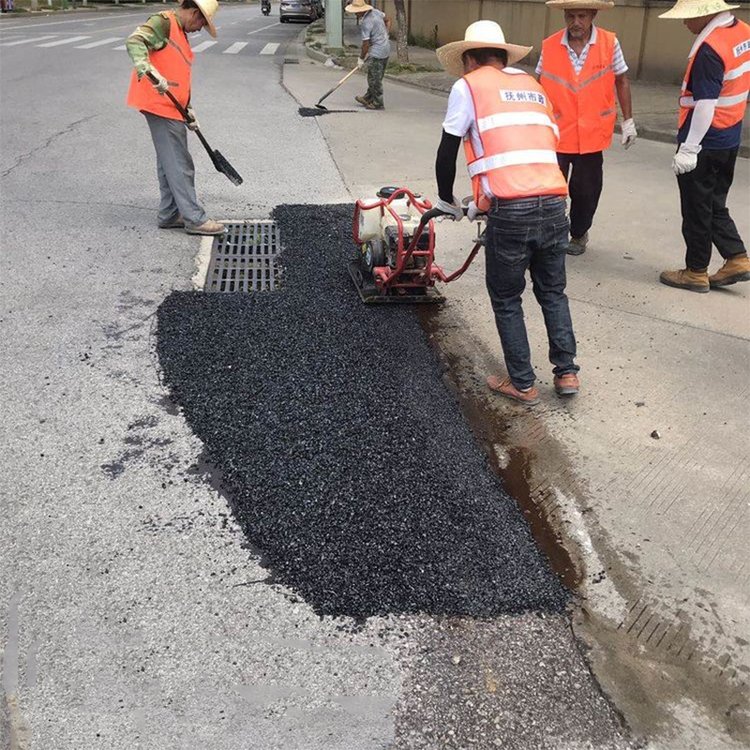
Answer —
345 458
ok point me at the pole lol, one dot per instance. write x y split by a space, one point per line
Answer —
334 25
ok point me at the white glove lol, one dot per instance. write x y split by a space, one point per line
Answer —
629 133
192 121
161 84
360 63
472 211
686 159
453 210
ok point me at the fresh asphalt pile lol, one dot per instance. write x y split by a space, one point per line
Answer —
346 459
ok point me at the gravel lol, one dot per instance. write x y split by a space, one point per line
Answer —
346 460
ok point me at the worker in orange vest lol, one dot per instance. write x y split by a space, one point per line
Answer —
581 69
160 48
506 123
712 104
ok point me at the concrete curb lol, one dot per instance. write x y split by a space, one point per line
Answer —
648 134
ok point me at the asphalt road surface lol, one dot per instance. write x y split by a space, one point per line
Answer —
134 610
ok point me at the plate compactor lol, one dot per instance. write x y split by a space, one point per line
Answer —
395 238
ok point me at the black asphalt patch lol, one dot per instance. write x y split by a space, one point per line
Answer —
316 112
346 459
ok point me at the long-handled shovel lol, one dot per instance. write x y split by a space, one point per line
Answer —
221 164
328 93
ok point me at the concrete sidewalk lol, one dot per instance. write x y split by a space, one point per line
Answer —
654 104
637 490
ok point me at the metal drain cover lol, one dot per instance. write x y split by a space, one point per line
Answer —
245 258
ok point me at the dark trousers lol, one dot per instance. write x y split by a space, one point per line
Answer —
705 216
375 73
584 173
529 234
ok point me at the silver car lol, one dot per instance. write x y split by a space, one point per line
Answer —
303 10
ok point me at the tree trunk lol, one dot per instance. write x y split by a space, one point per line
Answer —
402 33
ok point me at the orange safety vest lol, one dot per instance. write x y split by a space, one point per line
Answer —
174 61
584 104
518 137
732 45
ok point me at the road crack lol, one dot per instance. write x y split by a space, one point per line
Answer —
47 143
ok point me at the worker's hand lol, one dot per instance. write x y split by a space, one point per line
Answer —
360 63
686 159
453 210
191 121
629 133
161 84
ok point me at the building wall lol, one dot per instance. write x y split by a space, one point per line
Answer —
655 49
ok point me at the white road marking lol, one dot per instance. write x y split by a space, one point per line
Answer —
270 26
108 17
64 41
121 47
91 45
270 49
28 41
203 45
233 49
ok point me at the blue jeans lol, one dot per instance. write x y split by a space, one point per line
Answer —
529 234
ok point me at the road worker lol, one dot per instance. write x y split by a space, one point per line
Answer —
374 28
160 48
712 105
581 69
510 139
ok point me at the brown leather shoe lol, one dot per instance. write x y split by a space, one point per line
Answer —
693 281
208 227
567 384
371 105
177 222
507 389
736 268
363 100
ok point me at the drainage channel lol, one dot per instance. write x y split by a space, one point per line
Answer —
514 468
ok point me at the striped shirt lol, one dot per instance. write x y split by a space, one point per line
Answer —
618 60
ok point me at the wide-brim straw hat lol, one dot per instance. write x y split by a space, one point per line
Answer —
581 4
358 6
697 8
208 9
479 35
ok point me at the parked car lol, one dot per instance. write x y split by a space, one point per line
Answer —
303 10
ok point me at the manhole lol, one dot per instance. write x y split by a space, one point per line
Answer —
245 258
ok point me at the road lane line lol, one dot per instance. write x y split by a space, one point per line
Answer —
263 28
64 41
270 48
233 49
28 41
108 17
121 47
91 45
203 45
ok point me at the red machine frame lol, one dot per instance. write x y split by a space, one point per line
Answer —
388 279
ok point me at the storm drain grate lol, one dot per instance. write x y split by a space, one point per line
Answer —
245 258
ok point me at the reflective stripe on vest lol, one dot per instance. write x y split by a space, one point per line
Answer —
732 45
174 62
517 134
584 104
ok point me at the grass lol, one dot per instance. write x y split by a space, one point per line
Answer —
394 68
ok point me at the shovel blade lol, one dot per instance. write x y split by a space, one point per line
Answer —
223 166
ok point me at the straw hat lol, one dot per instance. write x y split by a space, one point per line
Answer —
581 4
479 35
208 8
697 8
358 6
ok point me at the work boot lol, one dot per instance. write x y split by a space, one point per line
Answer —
176 222
567 384
208 227
363 100
693 281
736 268
577 245
528 396
371 105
